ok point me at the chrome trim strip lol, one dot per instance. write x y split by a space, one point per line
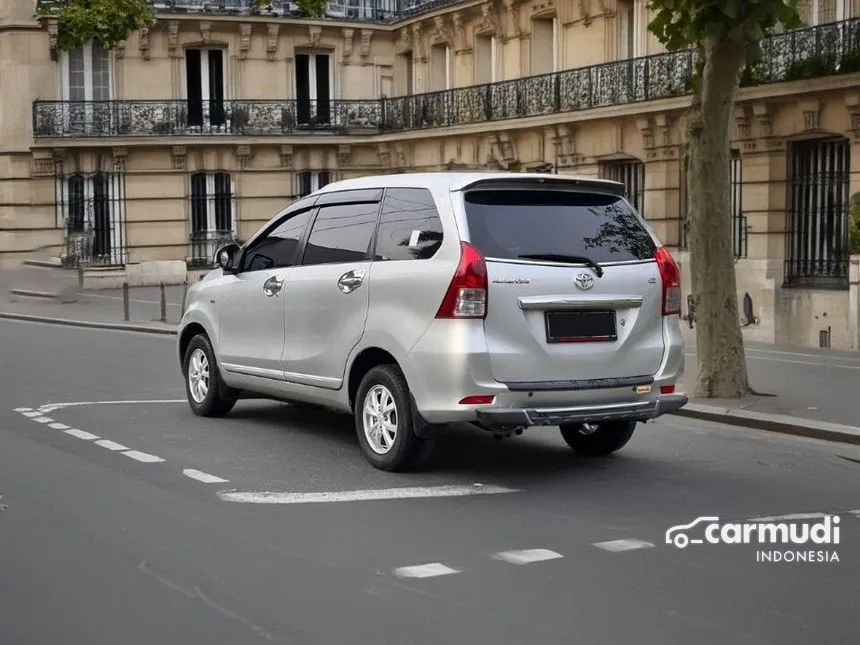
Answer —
259 372
566 264
579 302
278 375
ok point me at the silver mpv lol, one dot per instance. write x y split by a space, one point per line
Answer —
411 301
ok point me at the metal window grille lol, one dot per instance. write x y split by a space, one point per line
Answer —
739 220
91 209
817 218
632 175
212 216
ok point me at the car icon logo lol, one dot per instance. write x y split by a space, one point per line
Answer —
677 535
584 281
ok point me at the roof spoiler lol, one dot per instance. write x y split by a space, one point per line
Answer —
601 185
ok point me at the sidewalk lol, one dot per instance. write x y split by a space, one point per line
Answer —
813 390
102 308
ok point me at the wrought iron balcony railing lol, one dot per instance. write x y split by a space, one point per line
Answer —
383 11
792 56
90 119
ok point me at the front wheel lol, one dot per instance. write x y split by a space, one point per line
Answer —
383 422
207 395
597 440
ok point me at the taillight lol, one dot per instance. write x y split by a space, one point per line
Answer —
670 275
467 294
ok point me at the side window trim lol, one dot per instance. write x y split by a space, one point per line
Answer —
368 253
290 214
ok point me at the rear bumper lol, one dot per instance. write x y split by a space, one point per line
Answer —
643 410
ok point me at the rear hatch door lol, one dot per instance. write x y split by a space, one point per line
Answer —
574 290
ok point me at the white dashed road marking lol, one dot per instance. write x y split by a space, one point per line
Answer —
50 407
32 413
111 445
425 571
43 420
617 546
527 556
363 495
58 426
200 476
23 410
142 456
80 434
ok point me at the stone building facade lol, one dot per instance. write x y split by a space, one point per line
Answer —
141 161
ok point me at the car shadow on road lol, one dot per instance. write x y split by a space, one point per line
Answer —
461 449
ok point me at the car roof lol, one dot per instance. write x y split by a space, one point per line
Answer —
454 181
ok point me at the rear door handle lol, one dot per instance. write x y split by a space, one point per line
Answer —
272 286
350 281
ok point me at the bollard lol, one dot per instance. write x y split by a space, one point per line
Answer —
125 312
163 304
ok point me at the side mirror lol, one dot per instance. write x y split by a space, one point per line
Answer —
225 257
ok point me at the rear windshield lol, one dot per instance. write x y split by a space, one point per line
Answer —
510 223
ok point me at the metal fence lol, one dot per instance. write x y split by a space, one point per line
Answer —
795 55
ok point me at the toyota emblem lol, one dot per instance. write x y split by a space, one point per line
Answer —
584 281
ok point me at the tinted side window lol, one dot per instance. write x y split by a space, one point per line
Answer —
513 223
280 247
410 228
341 233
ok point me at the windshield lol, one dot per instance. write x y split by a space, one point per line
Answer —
510 223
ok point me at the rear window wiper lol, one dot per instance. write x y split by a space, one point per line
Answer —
560 257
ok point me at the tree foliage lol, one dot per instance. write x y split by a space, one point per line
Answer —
683 23
110 22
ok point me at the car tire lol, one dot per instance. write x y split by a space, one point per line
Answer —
207 394
598 440
384 391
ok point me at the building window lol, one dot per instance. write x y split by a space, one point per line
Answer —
313 89
204 87
818 203
821 12
544 47
407 73
486 59
632 175
86 84
739 220
440 68
212 221
91 209
309 181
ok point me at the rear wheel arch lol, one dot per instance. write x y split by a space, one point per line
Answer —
365 361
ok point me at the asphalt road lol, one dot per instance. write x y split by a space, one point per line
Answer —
117 532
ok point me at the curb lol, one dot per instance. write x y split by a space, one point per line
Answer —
31 293
780 423
144 329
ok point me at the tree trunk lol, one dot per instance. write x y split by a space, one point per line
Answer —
722 369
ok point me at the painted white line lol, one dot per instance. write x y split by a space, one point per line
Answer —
58 426
855 513
200 476
33 413
111 445
142 456
527 556
22 410
363 495
425 571
50 407
789 518
43 420
80 434
616 546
